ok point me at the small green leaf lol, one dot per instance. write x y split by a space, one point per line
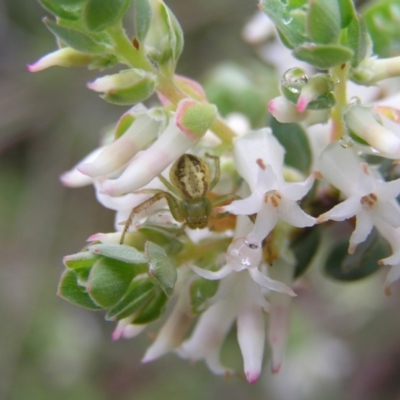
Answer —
84 259
167 240
139 293
70 290
152 310
323 21
142 17
383 22
67 9
100 14
288 19
161 267
304 247
119 252
293 138
200 291
108 281
347 12
358 40
323 56
74 38
322 102
343 266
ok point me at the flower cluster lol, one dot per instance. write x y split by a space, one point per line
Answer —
225 237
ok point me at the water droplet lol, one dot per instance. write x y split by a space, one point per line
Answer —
246 253
335 78
375 151
287 21
294 79
355 101
346 142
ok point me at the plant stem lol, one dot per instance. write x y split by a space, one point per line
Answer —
338 127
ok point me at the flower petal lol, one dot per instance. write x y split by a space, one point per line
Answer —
364 225
269 283
345 210
290 212
251 338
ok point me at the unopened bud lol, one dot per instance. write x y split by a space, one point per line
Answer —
127 87
360 121
65 57
372 70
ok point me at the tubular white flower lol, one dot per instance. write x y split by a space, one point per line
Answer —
75 178
370 199
259 160
138 136
148 164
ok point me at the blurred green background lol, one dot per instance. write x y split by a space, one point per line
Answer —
344 339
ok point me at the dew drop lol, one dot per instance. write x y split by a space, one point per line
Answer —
246 253
294 79
287 21
346 142
355 101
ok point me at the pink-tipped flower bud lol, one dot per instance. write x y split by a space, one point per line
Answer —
116 155
65 57
127 87
190 123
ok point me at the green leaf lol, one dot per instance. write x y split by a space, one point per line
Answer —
293 138
100 14
167 240
323 56
323 21
142 18
120 252
322 102
123 124
161 267
84 259
70 290
358 40
347 12
152 310
343 266
109 280
289 20
200 291
67 9
304 247
383 22
74 38
139 293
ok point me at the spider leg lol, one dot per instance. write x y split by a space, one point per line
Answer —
172 204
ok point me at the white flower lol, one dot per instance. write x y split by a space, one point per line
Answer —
370 199
240 296
244 301
259 160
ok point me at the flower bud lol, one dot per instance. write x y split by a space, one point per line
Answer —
164 38
116 155
360 121
127 87
65 57
195 118
372 70
180 135
318 86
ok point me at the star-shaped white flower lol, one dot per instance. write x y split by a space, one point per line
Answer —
259 160
369 198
